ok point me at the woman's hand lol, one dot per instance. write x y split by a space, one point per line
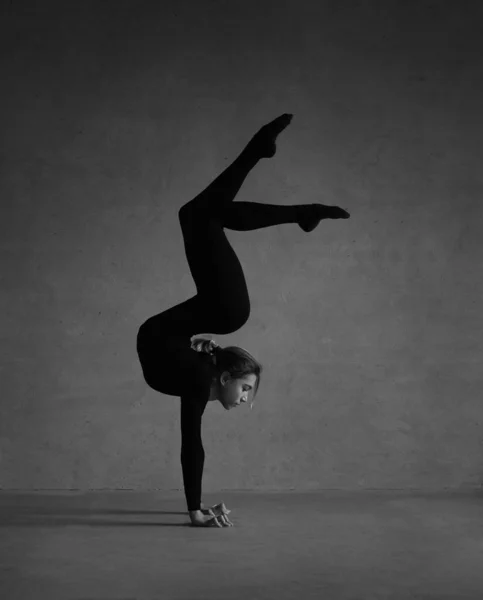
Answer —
207 518
221 512
198 519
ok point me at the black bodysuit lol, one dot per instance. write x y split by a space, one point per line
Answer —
221 305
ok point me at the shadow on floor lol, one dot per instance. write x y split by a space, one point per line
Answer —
41 517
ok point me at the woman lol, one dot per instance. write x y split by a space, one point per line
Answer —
174 361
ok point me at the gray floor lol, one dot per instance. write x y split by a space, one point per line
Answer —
324 545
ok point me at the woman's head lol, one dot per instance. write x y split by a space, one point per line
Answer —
236 372
232 392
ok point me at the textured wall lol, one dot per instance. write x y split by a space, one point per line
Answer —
116 113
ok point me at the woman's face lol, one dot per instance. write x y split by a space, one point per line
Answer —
234 392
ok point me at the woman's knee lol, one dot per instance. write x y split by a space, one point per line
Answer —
189 212
196 212
185 211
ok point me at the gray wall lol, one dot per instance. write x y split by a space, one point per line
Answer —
116 113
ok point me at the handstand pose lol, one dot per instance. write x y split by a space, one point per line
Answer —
195 370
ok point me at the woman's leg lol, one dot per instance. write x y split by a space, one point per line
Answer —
222 296
222 303
225 187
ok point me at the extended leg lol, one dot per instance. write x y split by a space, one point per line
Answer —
225 187
216 201
247 216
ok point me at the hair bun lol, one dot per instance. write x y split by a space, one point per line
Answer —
203 345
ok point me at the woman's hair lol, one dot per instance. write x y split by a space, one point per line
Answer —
237 361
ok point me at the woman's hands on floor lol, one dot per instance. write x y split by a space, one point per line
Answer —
216 516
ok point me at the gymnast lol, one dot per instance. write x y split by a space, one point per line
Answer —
177 361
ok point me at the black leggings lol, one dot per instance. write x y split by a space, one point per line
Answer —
221 304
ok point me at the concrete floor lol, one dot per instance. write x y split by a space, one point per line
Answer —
325 545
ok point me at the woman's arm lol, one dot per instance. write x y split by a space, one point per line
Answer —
192 451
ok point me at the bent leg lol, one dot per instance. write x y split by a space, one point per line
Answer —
222 304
